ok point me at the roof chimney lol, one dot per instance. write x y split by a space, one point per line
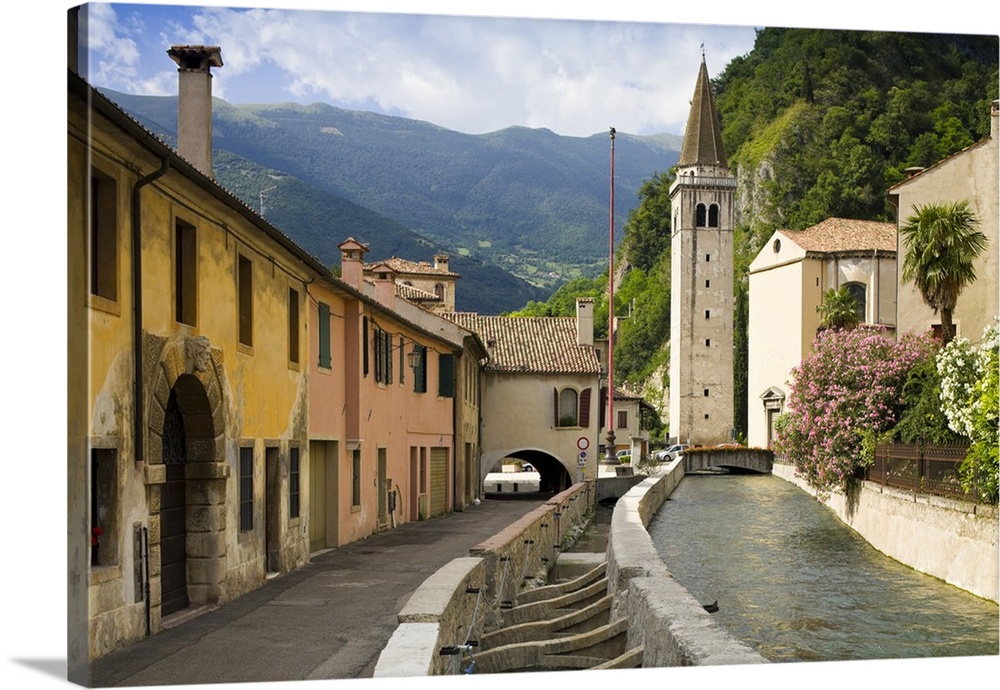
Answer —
352 257
441 262
385 285
585 321
194 103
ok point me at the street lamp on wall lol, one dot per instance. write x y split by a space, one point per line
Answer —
413 358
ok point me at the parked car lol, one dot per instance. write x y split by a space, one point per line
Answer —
671 453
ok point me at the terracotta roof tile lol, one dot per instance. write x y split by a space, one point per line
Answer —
533 344
411 267
845 235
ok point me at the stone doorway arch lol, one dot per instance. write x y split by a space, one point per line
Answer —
186 474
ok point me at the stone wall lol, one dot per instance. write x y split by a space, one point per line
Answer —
468 596
955 541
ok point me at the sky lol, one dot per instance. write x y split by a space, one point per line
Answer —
474 74
471 74
34 145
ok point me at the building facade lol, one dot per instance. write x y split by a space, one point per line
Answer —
194 404
788 279
701 289
234 407
541 386
970 175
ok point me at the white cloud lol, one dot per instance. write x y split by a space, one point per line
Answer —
465 73
575 76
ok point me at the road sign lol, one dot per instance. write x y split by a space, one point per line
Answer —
583 443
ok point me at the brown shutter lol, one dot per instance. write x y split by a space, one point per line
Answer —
555 406
584 416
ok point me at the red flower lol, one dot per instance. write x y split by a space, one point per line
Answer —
94 534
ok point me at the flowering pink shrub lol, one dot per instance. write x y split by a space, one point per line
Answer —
850 385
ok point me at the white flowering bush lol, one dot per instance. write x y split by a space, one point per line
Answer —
956 364
969 399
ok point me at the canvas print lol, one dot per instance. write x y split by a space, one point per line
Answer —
409 345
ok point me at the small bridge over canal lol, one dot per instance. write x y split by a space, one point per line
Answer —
728 460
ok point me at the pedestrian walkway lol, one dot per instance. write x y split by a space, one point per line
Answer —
328 620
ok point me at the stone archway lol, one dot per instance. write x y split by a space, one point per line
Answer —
186 472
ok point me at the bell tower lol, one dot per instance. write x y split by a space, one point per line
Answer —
701 282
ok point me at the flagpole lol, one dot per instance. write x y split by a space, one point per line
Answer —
610 446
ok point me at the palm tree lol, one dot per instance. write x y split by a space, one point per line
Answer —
942 242
839 309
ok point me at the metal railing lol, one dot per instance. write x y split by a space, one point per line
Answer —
930 469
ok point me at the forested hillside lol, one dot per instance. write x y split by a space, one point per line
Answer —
816 124
528 201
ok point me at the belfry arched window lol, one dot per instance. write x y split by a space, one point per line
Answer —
713 216
699 216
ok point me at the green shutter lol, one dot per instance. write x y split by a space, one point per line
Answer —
446 376
364 346
324 335
420 373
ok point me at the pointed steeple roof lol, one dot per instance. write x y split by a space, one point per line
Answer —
703 135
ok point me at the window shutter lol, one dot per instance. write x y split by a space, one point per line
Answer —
584 415
420 373
402 359
555 406
388 357
446 376
364 346
324 335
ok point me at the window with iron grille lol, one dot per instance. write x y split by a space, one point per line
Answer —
103 506
246 489
293 482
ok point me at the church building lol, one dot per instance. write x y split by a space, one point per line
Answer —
701 289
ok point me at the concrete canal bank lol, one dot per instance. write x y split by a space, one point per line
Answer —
954 541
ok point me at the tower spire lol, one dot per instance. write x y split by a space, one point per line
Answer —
703 134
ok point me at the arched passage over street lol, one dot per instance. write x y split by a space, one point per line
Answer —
553 476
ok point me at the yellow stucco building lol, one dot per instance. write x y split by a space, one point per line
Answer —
233 406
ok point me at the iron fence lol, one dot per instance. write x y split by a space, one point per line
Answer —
931 469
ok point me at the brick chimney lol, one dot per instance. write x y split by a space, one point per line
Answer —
441 262
352 257
585 321
194 103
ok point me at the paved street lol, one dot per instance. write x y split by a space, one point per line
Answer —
329 619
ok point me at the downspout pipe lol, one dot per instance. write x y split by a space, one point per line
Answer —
137 394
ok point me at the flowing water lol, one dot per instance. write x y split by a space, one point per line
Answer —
796 584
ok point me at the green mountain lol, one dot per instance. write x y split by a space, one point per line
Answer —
527 201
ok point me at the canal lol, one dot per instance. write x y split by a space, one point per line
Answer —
796 584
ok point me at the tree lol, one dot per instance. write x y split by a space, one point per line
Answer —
839 309
941 243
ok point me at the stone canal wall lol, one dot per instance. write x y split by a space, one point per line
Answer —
954 541
467 596
670 625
